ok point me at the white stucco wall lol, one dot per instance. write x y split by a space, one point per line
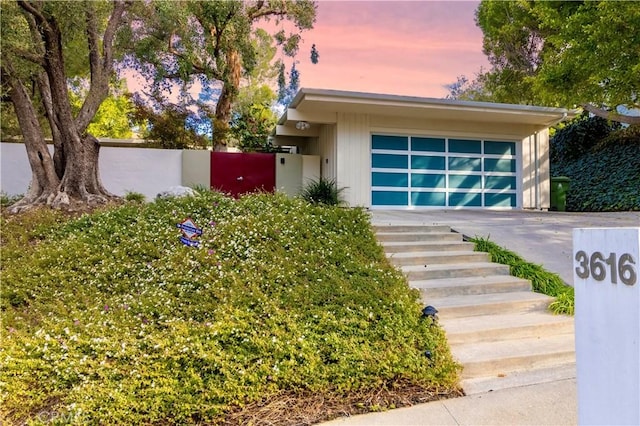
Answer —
196 167
15 172
148 171
144 170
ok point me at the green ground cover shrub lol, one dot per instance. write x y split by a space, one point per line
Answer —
109 319
6 199
605 173
542 281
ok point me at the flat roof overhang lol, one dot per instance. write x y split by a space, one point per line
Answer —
320 106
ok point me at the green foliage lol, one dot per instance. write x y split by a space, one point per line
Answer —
166 129
470 90
213 42
322 191
562 53
112 120
607 177
6 200
577 138
542 281
134 197
252 127
286 92
108 318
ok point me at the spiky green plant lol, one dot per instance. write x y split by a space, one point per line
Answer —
323 191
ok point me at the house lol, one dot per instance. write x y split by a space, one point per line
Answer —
405 152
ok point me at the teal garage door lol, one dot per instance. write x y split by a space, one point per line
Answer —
411 171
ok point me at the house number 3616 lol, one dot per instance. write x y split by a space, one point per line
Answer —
596 265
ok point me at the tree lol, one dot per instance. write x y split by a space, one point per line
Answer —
470 90
563 53
211 41
253 117
173 127
43 44
286 92
113 118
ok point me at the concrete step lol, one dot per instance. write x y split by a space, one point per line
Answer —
391 247
454 270
515 379
482 359
494 327
437 257
437 288
487 304
497 328
418 236
411 228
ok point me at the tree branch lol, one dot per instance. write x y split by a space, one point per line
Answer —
30 8
92 41
29 56
611 115
267 12
199 67
99 65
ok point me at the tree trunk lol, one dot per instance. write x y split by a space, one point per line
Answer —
71 179
228 96
44 180
59 161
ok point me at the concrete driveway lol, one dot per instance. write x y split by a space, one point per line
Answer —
540 237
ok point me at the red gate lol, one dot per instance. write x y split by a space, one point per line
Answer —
240 173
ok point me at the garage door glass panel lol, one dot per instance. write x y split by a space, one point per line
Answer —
390 142
432 171
427 162
465 146
427 144
389 161
461 199
500 200
428 199
500 182
499 148
389 179
465 181
420 180
465 164
499 165
389 198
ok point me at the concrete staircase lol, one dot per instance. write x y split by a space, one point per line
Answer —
498 329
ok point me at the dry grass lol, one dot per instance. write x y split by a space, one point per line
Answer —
309 408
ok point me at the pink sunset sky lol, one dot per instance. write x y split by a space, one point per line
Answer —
397 47
412 48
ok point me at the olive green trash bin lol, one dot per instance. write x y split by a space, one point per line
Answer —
559 188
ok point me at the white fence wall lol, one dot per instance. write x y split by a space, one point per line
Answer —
144 170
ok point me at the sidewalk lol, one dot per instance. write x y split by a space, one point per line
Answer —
553 403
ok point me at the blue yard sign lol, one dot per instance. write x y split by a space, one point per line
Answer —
190 232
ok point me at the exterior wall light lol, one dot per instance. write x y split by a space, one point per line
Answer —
302 125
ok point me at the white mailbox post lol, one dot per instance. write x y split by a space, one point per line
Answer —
607 321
